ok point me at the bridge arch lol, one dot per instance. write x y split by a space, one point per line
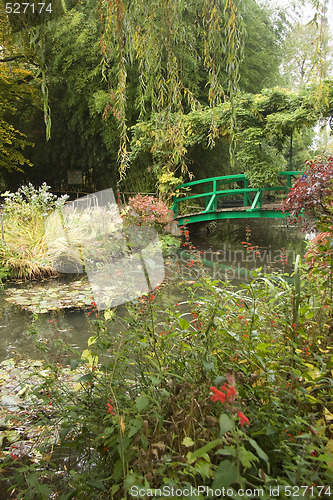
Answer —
212 202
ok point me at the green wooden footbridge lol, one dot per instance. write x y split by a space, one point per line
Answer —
211 200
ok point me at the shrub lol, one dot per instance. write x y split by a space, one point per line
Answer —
310 204
310 199
31 199
149 210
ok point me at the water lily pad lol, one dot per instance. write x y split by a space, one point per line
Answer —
52 295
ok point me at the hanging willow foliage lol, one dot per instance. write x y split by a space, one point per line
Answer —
165 41
159 37
28 25
319 64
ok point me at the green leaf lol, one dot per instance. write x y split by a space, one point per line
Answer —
32 479
219 381
142 402
208 364
203 467
135 426
117 470
226 424
226 474
74 364
188 442
261 454
247 458
227 450
203 450
86 378
96 483
184 325
263 346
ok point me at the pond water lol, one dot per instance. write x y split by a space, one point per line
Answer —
229 252
232 249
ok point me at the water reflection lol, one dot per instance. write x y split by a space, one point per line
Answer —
229 252
232 249
72 326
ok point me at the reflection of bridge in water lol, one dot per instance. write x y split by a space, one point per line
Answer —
215 200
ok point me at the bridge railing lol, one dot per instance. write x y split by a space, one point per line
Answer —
212 191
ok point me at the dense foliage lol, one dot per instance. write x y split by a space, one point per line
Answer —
165 79
18 95
209 389
265 124
310 203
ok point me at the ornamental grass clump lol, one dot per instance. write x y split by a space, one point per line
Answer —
23 250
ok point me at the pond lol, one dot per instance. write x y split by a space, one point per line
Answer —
229 251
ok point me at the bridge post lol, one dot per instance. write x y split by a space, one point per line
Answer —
211 206
257 202
214 204
174 207
246 196
259 205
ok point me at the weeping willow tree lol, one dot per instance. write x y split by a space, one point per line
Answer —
167 41
183 56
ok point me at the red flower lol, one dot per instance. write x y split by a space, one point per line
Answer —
227 394
243 418
218 396
110 409
232 393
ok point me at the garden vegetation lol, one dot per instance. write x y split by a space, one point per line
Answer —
210 385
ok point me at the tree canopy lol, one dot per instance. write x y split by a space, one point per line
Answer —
17 95
165 80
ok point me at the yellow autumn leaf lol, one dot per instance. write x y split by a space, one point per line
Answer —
328 415
91 358
329 448
122 425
